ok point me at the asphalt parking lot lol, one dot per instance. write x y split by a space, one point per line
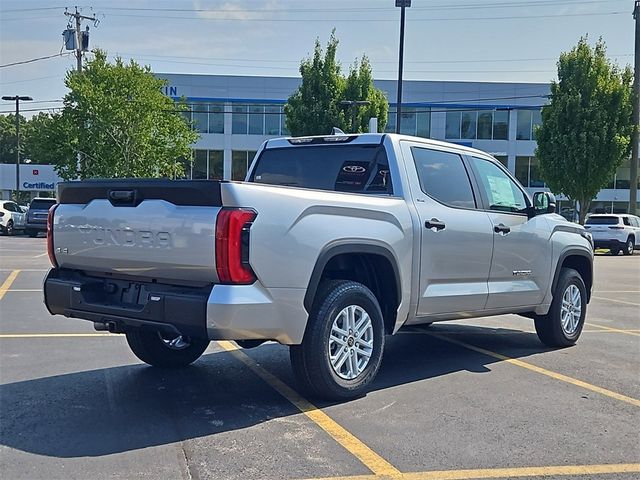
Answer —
474 399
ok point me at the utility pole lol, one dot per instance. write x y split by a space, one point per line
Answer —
403 4
635 137
80 45
17 98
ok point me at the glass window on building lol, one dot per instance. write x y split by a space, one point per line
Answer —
501 125
623 176
468 124
503 159
240 161
391 122
239 122
272 120
199 170
408 121
453 120
283 124
524 125
535 179
536 121
256 120
423 123
485 125
216 165
522 170
200 117
183 168
216 118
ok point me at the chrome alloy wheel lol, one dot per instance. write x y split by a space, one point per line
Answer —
351 342
571 310
178 343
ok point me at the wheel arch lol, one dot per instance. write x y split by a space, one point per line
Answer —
374 266
580 261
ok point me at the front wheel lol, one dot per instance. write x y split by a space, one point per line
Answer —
562 325
343 344
160 351
9 228
628 248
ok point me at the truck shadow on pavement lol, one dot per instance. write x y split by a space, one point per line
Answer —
124 408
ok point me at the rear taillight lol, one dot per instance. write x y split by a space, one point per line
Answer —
232 245
50 251
617 227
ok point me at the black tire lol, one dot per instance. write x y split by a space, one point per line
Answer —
32 233
9 228
614 251
149 347
628 248
311 360
549 327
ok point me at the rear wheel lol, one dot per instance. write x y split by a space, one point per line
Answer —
343 344
628 248
161 351
9 228
614 251
562 325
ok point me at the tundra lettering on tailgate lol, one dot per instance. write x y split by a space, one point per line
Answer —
125 237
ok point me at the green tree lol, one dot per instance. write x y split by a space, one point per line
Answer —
117 118
42 143
8 137
314 108
586 128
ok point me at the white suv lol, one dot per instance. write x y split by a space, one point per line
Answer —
615 232
11 217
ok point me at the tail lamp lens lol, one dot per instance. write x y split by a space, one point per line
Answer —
232 246
50 251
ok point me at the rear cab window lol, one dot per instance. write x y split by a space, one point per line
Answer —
340 168
602 220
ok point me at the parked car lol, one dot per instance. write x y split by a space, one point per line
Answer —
11 217
331 244
615 232
37 215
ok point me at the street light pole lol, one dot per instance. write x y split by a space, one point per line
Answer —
403 4
635 136
17 99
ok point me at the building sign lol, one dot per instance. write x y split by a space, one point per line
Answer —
169 90
35 178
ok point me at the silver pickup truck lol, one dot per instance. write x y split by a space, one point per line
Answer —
330 244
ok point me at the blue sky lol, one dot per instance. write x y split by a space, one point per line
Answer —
474 40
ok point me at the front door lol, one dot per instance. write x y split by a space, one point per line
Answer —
456 237
521 265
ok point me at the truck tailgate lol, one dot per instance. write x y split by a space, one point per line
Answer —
153 229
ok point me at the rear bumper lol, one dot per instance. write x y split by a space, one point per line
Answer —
39 226
609 243
124 305
221 312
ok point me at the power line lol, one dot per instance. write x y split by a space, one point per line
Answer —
23 62
38 9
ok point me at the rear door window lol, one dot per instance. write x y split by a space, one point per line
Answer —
626 221
340 168
602 221
443 176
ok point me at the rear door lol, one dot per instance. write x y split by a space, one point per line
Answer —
456 238
521 264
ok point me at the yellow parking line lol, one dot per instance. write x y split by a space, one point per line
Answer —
24 290
56 335
504 472
8 282
616 330
350 442
617 301
542 371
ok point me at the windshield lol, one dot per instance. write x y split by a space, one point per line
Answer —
340 168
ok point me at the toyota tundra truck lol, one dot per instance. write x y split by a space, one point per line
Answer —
331 243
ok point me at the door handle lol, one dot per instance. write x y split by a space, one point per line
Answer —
435 223
501 228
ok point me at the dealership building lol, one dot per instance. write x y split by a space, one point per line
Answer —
235 114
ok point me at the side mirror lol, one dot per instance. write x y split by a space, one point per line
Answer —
544 202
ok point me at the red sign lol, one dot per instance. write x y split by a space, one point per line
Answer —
35 171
